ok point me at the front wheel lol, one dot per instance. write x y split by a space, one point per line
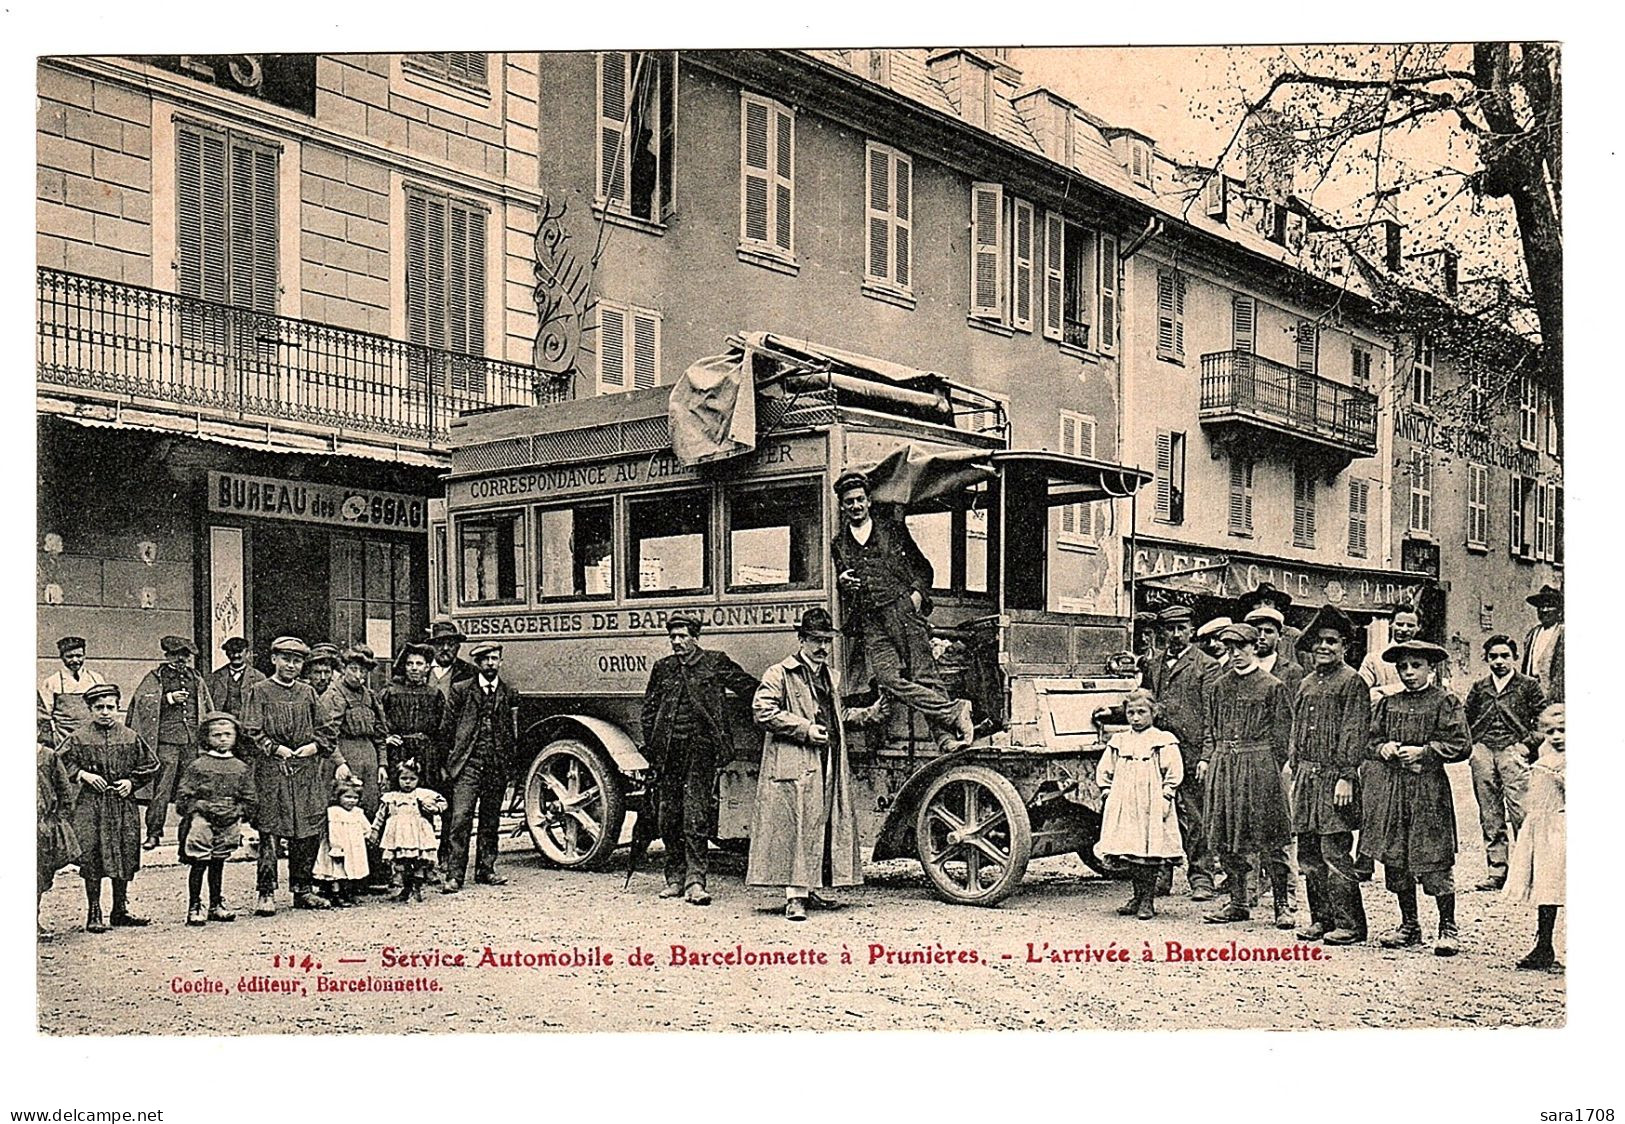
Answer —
973 836
573 805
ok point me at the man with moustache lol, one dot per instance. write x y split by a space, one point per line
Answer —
1178 677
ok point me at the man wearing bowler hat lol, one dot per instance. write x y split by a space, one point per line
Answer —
885 586
165 712
62 693
229 684
1178 677
1543 647
481 741
447 669
686 733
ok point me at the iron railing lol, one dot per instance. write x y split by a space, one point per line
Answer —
235 362
1238 385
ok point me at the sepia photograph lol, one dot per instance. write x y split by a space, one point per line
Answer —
965 538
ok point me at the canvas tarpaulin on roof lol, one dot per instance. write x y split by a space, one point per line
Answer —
712 409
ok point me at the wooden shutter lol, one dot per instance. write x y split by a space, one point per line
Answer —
1054 261
1170 314
1308 346
1165 475
1515 515
784 168
1021 315
878 266
1359 515
903 219
613 114
251 226
1540 521
611 349
1106 341
1241 494
201 250
1243 324
756 173
645 350
426 270
1303 507
987 215
667 72
1078 439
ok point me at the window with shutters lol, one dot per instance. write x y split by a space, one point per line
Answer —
1518 539
1241 496
1303 507
1421 472
1478 398
1422 372
889 211
1077 284
1529 413
1079 520
1023 253
1170 477
767 143
1243 323
1557 524
1359 517
468 69
1478 506
1362 368
1171 315
1308 347
225 227
1553 438
637 109
628 348
445 294
1538 495
1106 325
987 251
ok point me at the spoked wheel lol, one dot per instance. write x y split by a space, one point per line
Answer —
973 836
573 805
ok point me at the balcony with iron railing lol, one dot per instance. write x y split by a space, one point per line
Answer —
1241 390
232 363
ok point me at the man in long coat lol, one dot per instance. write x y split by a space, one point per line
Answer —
292 743
481 741
1502 713
1543 647
62 693
804 829
229 683
1179 677
686 734
166 710
1407 812
1331 717
885 586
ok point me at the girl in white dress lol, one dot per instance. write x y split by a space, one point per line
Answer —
404 832
342 859
1139 774
1536 872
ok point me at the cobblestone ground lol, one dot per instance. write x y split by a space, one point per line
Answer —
146 980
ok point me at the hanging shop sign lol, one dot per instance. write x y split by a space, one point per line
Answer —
268 497
1193 571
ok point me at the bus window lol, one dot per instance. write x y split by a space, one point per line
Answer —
774 539
490 557
976 550
573 551
669 543
933 534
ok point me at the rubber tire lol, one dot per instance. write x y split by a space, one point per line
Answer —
601 772
1093 861
1020 835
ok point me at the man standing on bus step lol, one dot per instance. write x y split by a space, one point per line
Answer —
885 585
481 741
686 733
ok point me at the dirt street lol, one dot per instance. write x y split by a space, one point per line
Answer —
150 980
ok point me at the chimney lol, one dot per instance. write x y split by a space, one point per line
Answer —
1049 116
1269 157
1438 268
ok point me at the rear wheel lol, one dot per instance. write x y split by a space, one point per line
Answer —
1087 852
973 836
573 804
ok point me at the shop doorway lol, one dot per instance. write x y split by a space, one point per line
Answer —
290 585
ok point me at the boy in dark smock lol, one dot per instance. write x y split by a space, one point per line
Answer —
108 760
1331 718
291 740
1407 815
1249 732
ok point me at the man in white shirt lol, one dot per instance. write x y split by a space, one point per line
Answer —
61 694
1543 647
1404 624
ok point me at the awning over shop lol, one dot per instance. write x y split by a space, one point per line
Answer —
1223 574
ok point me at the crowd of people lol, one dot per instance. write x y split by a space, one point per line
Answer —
308 766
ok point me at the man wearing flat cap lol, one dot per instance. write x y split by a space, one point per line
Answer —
1543 647
1265 594
1274 654
166 712
1179 678
229 684
1407 811
686 734
62 693
481 742
292 742
885 586
1207 639
804 828
1331 718
352 708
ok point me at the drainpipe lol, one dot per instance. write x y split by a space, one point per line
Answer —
1153 227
